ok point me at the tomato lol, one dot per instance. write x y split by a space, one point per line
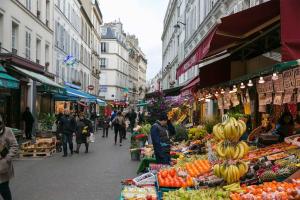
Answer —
172 172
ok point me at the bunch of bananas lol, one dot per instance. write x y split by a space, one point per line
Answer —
231 129
234 187
231 173
226 149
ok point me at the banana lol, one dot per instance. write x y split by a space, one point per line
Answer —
232 186
242 151
245 145
236 152
217 170
241 122
245 165
220 150
242 169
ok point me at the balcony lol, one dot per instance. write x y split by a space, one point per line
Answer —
38 14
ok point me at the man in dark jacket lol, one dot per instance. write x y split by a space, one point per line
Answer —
132 118
29 120
68 127
160 140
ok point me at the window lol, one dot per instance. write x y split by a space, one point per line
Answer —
14 37
27 45
47 55
103 62
38 50
104 47
28 4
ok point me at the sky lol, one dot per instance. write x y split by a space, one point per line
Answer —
144 18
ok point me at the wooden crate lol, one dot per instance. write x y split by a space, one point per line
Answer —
37 154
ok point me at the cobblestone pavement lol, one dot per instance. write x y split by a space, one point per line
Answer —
92 176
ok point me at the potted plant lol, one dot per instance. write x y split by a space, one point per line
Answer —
47 121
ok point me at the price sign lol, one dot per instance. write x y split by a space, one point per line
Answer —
288 80
278 84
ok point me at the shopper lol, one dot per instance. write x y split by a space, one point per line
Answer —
117 123
124 126
285 126
84 128
8 149
160 140
141 117
113 116
68 127
29 120
132 119
105 126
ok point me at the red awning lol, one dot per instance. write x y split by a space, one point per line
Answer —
290 29
187 90
232 31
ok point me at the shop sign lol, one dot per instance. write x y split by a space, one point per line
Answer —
278 84
91 87
278 99
220 103
227 103
298 95
288 80
234 100
287 97
297 77
266 87
269 98
262 100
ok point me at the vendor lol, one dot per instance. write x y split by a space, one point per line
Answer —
285 126
160 140
266 126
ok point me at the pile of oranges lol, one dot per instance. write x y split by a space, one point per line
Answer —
198 168
169 178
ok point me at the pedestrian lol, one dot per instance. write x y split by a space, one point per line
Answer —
141 117
68 128
105 126
132 119
29 120
8 150
160 140
124 127
84 128
113 115
117 123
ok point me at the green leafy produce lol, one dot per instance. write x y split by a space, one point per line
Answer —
197 133
146 129
181 133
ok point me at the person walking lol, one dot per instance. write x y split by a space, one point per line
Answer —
132 119
117 123
160 140
113 116
124 127
105 126
84 128
68 128
29 120
8 150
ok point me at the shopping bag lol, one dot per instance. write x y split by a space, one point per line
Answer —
92 138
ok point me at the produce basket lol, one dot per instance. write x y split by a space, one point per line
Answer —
145 179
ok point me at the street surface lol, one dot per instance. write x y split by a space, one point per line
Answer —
92 176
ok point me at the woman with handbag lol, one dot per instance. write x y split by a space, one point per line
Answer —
8 150
84 128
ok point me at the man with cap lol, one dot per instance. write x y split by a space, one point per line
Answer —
160 140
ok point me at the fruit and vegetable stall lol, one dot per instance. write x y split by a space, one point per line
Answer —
219 165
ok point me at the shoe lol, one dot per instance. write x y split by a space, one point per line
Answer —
120 145
65 155
102 135
124 138
76 152
86 151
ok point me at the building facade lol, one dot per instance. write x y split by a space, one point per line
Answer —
123 65
186 24
77 43
26 43
114 79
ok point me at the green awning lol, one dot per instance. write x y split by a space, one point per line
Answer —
7 81
48 85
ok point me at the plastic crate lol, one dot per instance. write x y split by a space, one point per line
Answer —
145 179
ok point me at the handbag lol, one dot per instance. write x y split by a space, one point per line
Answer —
92 138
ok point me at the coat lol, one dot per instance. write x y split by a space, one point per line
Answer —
84 129
9 149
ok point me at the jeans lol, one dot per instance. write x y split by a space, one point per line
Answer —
5 191
118 130
67 138
105 132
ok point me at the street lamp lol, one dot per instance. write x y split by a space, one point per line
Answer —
177 25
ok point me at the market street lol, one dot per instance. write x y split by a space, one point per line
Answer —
93 176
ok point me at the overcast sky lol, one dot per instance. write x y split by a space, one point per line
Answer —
144 18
